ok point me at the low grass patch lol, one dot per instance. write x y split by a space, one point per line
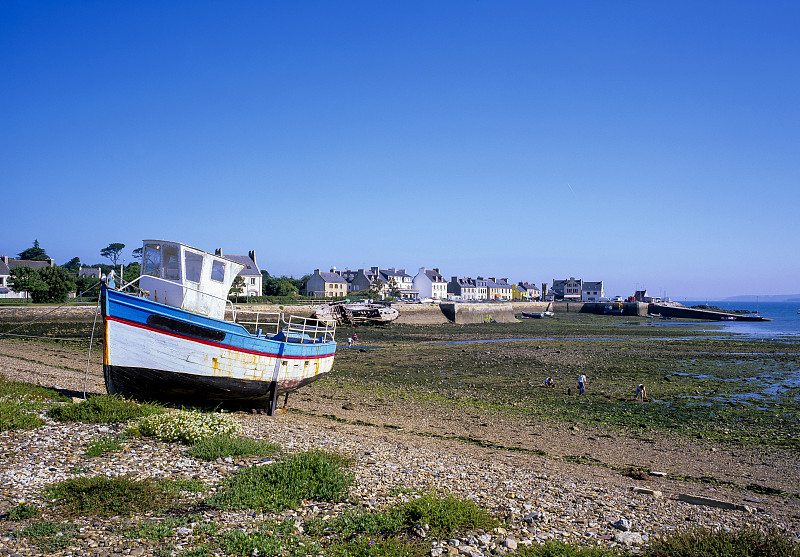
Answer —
445 516
122 495
15 416
185 427
50 536
383 547
740 543
560 549
315 475
23 511
107 444
269 538
18 390
104 409
20 401
222 446
159 530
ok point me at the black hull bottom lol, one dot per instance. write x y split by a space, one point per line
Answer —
183 389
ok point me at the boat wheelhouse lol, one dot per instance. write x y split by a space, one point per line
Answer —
166 337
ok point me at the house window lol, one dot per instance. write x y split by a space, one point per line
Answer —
252 281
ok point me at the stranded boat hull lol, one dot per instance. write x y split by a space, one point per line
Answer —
159 352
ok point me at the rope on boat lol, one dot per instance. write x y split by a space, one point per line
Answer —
89 358
34 320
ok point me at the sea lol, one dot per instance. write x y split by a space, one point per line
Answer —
785 324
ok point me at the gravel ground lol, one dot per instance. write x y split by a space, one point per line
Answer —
517 470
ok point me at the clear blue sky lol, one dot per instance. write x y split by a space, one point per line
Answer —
649 145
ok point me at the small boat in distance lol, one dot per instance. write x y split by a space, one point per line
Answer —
168 341
357 312
536 315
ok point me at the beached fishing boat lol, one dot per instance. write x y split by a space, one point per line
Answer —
357 312
166 337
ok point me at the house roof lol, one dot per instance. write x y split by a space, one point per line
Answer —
250 267
434 276
598 285
332 277
89 272
4 270
13 263
394 273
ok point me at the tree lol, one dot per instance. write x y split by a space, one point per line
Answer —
87 287
237 287
25 279
376 285
49 284
112 252
137 253
35 253
394 289
73 265
279 286
132 272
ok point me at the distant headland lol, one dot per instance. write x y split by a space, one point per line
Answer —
764 298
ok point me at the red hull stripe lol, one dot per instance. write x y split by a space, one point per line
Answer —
215 344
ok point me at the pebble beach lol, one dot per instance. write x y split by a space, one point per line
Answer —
536 497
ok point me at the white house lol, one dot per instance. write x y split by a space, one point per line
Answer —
251 273
402 280
7 263
592 291
430 284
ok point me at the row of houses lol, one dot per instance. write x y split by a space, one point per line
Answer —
430 284
426 284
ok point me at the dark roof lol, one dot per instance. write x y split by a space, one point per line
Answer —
394 273
4 270
332 277
434 276
250 267
13 263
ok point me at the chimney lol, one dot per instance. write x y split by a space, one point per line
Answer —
218 251
437 270
316 271
252 255
454 279
374 270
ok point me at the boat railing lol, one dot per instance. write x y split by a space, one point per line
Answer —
296 327
253 321
293 329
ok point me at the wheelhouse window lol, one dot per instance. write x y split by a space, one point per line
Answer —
151 260
218 271
171 261
194 266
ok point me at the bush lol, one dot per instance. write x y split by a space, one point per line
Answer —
104 496
315 475
22 511
105 445
446 515
185 427
221 446
103 409
50 536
